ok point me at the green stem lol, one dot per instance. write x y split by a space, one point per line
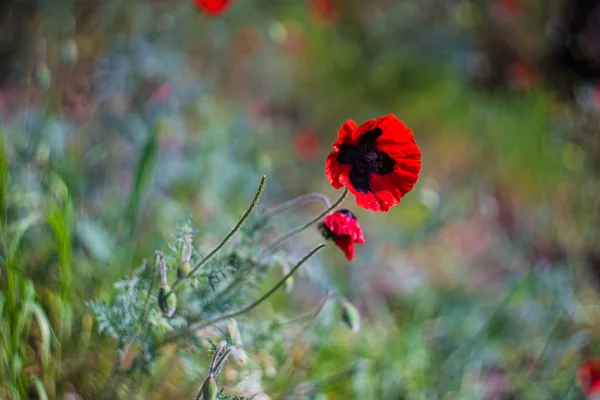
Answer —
147 301
229 235
280 239
309 388
312 314
264 297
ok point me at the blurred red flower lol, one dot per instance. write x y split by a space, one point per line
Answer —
523 75
378 161
342 227
325 11
511 7
306 145
213 7
588 377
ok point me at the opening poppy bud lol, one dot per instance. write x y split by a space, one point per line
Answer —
210 389
342 227
167 301
184 269
43 77
350 316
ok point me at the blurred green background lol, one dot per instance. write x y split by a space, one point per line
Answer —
481 284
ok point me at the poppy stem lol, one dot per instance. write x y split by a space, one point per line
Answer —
280 239
229 235
312 314
244 310
296 202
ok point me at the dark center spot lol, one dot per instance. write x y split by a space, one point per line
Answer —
366 159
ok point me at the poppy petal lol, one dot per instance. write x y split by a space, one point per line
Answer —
346 244
397 140
365 127
340 223
213 7
365 200
335 172
345 134
398 182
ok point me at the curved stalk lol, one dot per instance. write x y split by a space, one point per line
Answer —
229 235
297 202
280 239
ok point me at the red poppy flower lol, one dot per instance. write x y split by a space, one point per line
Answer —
342 227
588 377
378 161
213 7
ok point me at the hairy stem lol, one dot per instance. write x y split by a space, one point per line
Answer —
244 310
296 202
280 239
230 234
147 301
312 314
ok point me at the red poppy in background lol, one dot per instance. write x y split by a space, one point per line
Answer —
511 7
588 377
326 11
342 227
523 75
378 161
213 7
306 145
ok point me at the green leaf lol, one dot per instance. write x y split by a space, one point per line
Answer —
44 326
142 178
18 229
39 387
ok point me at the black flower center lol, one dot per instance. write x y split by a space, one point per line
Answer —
366 159
345 211
325 231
